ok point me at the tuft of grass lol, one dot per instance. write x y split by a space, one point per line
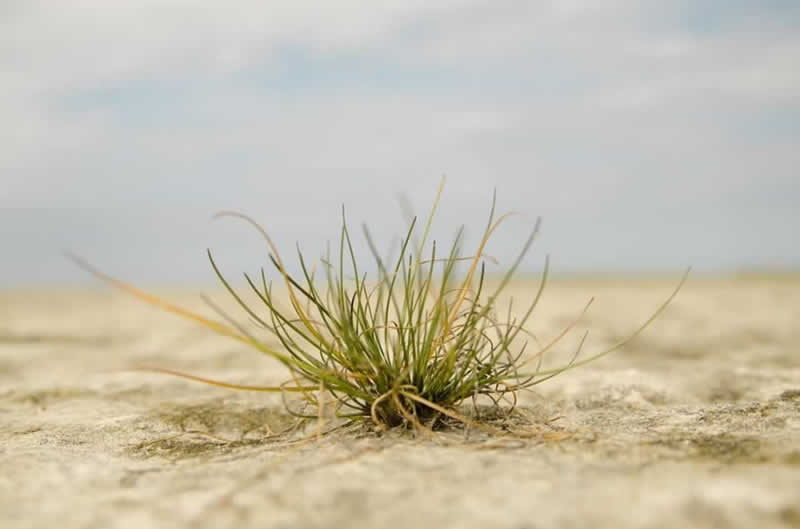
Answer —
404 348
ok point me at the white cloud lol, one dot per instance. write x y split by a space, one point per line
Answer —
577 108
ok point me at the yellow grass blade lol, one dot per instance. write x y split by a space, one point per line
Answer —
298 307
156 301
269 389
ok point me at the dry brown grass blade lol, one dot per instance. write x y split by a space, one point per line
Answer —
298 307
161 303
213 382
560 336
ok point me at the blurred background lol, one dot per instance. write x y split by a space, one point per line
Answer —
648 135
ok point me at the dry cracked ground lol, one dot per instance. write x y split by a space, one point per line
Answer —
694 424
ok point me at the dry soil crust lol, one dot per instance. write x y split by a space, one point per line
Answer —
696 424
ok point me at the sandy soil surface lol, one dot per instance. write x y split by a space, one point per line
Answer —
695 424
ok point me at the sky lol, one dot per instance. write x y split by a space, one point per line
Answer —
649 136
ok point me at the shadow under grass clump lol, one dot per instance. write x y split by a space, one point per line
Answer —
225 419
213 429
722 448
728 449
403 349
186 446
